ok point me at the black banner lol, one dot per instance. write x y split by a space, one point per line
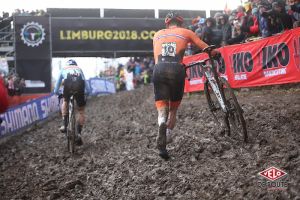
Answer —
186 14
33 52
129 13
102 36
73 12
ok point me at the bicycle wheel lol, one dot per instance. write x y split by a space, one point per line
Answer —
235 112
216 108
71 128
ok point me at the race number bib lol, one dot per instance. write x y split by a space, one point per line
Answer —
168 49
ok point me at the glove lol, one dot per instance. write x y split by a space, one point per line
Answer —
215 53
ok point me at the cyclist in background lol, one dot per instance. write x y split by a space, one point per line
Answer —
169 74
73 81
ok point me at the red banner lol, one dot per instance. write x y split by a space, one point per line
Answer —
269 61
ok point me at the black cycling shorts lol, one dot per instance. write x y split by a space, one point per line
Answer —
168 80
77 89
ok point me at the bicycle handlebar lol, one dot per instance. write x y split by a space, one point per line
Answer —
196 63
209 49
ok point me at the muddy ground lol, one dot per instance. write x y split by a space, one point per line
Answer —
119 160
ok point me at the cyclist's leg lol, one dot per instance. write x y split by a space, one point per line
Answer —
177 91
162 96
162 107
81 102
172 114
64 108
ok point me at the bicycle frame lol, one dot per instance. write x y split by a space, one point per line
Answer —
71 106
215 84
71 132
213 79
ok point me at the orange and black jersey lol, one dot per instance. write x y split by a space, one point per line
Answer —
172 42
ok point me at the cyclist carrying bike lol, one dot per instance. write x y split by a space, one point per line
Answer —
169 74
72 78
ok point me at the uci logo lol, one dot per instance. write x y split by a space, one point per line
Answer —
33 34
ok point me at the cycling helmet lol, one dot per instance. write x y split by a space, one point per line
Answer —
173 16
71 62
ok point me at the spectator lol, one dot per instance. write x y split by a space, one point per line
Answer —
293 9
249 23
217 18
278 19
200 27
263 23
19 85
3 98
296 24
211 35
137 74
240 12
225 27
285 18
238 35
10 85
194 24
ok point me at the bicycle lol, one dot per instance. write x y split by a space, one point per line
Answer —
220 97
71 127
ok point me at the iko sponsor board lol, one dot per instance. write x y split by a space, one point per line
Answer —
269 61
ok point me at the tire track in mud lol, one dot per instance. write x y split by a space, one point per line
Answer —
119 161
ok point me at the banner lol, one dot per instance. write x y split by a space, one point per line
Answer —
101 86
33 52
26 114
269 61
98 36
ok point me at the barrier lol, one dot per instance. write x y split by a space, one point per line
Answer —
270 61
102 86
24 115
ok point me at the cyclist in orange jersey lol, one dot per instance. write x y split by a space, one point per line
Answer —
169 74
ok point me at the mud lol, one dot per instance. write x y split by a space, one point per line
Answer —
119 160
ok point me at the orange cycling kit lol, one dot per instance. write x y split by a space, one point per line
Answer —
169 74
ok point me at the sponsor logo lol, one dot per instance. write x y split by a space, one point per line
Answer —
272 173
273 178
33 34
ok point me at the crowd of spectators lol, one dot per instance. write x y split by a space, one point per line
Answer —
254 20
14 84
136 72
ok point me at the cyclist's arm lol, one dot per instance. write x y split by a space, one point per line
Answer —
58 82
